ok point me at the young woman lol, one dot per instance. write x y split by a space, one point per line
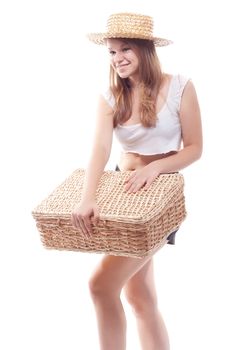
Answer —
152 113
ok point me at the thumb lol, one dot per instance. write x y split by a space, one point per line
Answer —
96 215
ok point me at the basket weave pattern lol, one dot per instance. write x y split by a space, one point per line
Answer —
131 24
128 25
133 225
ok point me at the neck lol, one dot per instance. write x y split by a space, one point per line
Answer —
134 82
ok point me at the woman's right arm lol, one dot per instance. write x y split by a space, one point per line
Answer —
101 149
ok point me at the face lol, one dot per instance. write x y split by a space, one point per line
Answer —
123 59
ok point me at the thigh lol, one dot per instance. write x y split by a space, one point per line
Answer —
113 272
142 284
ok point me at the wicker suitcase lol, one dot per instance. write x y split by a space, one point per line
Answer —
134 225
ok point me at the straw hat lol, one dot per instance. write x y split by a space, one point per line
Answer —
128 25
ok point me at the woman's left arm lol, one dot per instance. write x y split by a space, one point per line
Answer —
191 129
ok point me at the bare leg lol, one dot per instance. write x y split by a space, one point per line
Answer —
105 287
141 294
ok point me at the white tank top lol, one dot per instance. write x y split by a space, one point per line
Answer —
165 136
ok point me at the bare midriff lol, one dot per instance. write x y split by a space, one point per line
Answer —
133 161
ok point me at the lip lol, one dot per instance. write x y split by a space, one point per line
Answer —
122 65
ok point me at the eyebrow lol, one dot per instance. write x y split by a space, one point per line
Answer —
121 45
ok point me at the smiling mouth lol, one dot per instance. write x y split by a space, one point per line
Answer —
123 65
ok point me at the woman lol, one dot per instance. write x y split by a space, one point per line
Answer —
151 113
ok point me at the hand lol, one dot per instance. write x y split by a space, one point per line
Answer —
142 178
84 215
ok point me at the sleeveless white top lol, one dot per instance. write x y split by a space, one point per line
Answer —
162 138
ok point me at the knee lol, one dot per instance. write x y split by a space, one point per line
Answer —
99 288
95 287
142 302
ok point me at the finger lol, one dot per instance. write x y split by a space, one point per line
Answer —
129 186
131 177
74 220
96 215
149 182
95 219
87 224
135 187
130 183
83 228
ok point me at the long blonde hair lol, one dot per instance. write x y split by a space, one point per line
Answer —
150 79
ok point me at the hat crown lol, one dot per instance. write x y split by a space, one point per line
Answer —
131 24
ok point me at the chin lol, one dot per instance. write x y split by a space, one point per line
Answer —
123 76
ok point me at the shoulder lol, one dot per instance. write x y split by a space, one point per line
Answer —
189 104
188 90
181 86
175 79
189 101
181 81
104 108
108 97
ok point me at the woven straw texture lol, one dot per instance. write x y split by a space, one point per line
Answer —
128 25
134 225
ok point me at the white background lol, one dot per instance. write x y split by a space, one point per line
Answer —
50 78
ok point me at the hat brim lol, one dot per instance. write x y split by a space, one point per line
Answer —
100 38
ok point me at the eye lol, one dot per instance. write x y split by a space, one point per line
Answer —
111 52
125 49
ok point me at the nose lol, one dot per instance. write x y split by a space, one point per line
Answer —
118 57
